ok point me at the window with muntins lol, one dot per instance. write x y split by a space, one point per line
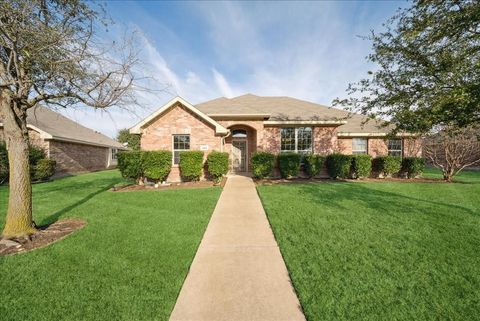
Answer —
296 139
180 143
114 153
359 146
395 147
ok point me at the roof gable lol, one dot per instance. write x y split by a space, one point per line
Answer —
137 129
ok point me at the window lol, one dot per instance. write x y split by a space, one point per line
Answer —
359 146
239 133
180 143
114 153
296 139
395 147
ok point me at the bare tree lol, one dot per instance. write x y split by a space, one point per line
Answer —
453 150
51 53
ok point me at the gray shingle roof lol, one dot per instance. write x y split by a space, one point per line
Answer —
287 108
61 127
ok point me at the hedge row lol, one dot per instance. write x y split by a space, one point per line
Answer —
338 165
156 165
41 167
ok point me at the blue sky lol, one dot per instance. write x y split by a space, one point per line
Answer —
203 50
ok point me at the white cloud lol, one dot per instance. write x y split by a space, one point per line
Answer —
222 84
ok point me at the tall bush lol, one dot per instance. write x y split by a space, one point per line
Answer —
191 165
413 166
44 169
262 164
217 164
313 164
338 165
156 164
361 165
130 164
289 164
387 165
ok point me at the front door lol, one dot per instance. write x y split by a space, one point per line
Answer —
239 155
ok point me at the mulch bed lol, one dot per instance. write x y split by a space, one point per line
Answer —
46 235
300 180
170 186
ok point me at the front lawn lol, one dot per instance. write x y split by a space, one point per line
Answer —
381 251
128 263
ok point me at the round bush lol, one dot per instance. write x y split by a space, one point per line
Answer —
361 165
289 164
191 165
387 165
313 164
217 163
262 164
338 165
130 164
413 166
44 169
156 164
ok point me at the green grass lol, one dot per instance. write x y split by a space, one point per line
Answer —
128 263
381 251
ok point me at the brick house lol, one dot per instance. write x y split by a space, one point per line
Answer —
247 124
74 147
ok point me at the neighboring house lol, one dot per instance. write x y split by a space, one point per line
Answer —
74 147
247 124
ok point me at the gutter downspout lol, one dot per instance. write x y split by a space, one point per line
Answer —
222 141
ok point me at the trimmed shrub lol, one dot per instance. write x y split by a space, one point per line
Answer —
262 164
313 164
191 164
361 165
156 164
387 165
130 164
289 164
413 166
44 169
3 163
338 165
217 163
35 154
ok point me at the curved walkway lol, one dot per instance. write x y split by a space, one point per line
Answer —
238 272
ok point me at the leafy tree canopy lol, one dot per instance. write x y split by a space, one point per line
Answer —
428 74
132 140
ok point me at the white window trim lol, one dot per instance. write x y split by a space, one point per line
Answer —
296 141
113 153
358 151
173 147
395 150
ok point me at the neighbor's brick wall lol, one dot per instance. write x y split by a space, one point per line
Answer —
344 146
324 140
34 138
412 147
179 120
75 158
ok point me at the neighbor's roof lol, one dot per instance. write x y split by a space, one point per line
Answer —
52 125
287 109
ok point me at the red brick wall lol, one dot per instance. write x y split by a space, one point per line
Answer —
74 158
377 147
324 140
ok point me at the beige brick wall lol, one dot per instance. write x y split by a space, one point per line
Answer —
74 158
412 147
324 140
178 120
377 147
344 146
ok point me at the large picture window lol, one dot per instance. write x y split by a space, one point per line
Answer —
180 143
359 146
296 139
395 147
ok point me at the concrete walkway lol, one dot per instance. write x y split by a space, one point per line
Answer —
238 272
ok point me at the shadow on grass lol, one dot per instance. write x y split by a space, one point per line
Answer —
105 185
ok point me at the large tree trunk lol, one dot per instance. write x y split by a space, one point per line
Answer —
19 222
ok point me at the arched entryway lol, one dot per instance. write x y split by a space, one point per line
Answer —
241 144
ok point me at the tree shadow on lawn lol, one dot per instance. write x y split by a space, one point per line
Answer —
104 185
386 202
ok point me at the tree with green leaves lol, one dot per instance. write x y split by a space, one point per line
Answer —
51 53
428 75
131 141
